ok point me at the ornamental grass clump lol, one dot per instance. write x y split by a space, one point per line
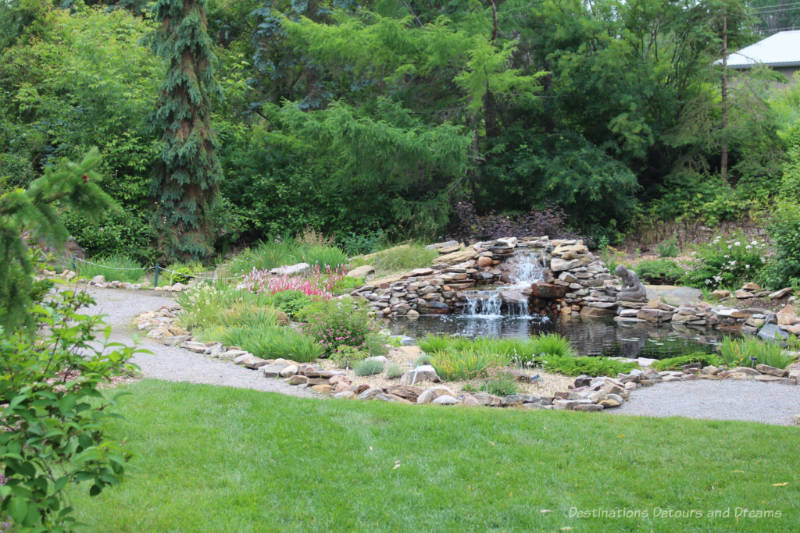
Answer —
750 351
393 371
522 351
455 365
501 385
273 342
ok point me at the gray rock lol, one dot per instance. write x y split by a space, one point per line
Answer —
771 370
365 271
291 270
445 399
421 373
430 394
772 332
370 393
288 371
249 360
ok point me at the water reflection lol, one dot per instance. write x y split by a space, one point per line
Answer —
588 336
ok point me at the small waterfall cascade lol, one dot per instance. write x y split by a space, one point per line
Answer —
484 304
526 269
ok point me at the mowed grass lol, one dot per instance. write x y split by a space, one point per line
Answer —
222 459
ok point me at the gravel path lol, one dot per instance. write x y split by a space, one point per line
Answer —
172 363
769 403
719 400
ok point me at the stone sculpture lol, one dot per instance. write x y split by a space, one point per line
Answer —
632 289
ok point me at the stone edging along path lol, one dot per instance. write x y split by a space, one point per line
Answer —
422 385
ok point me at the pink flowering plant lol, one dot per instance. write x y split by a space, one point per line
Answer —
318 282
342 322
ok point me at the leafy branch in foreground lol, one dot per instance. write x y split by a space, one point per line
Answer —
51 422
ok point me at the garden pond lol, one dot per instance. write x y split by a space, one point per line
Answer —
598 337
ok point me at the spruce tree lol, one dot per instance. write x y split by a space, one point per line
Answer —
186 181
31 216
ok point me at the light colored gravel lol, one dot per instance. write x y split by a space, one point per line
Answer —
769 403
172 363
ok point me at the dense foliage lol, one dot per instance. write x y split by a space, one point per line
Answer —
376 117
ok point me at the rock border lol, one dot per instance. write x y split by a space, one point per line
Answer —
587 393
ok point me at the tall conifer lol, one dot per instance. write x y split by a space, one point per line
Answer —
186 181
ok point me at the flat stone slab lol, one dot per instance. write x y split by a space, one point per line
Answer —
674 295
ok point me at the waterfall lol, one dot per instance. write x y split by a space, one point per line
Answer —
518 309
483 305
526 269
529 269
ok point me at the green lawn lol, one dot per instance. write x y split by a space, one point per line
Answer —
221 459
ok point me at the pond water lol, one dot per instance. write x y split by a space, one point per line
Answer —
588 336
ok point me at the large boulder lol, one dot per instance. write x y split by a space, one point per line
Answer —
430 394
366 272
291 270
548 291
421 373
787 316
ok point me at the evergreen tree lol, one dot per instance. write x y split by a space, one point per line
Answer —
186 181
31 216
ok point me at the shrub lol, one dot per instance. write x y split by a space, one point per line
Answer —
659 271
52 402
668 248
272 342
113 268
362 243
342 322
291 302
589 366
368 367
501 385
737 352
726 262
393 371
455 365
181 272
676 363
784 230
345 356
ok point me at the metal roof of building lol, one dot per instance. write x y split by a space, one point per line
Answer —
779 50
